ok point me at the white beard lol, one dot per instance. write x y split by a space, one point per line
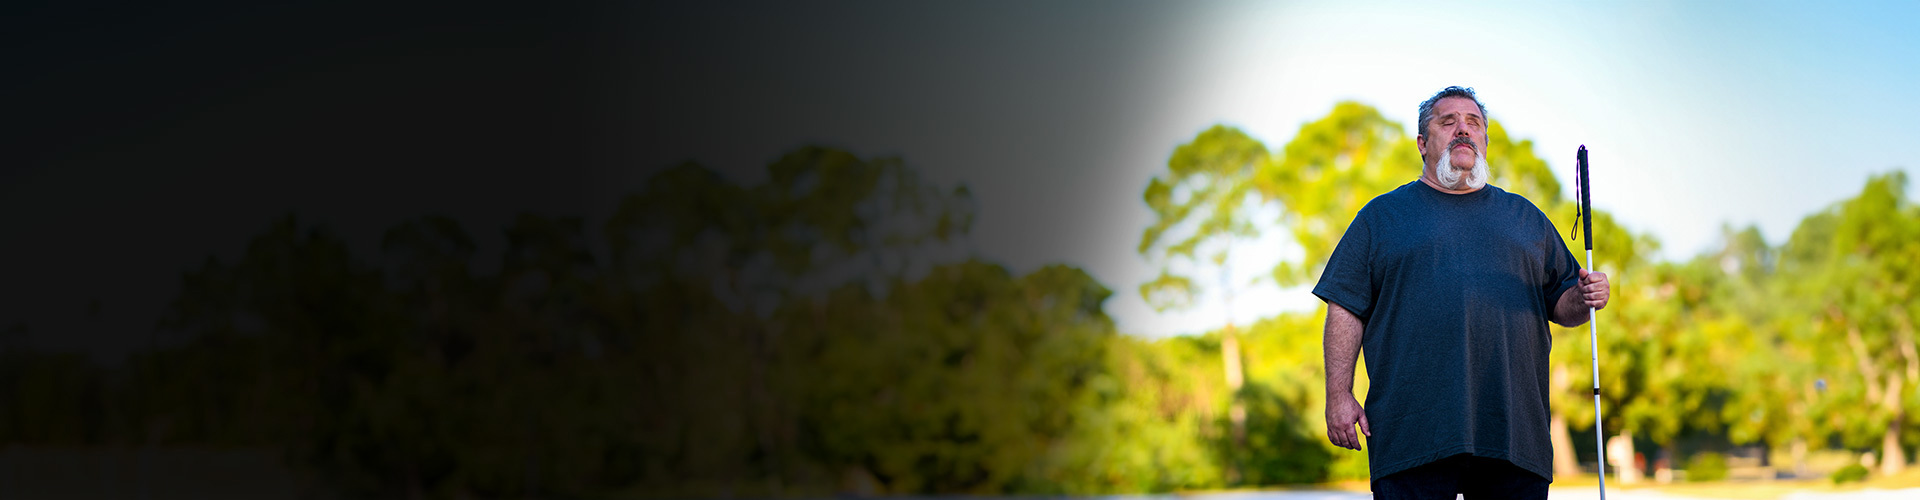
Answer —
1455 179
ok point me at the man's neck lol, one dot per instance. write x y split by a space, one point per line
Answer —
1428 177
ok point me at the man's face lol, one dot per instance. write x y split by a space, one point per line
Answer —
1457 128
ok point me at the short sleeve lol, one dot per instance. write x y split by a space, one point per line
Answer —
1562 271
1348 278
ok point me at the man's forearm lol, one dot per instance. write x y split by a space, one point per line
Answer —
1342 349
1570 311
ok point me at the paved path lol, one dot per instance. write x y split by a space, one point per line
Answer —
1555 494
1868 494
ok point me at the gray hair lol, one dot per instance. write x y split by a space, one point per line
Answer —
1426 108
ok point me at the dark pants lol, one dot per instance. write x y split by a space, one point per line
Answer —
1474 477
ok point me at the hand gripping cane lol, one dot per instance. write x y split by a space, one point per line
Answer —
1593 330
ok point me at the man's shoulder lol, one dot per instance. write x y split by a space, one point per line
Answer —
1514 200
1404 195
1504 195
1397 204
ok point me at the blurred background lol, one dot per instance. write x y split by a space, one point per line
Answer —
757 249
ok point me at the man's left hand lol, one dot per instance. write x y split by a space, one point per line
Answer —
1594 289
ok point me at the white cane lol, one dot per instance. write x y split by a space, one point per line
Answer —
1593 329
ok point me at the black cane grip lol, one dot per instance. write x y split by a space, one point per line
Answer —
1586 196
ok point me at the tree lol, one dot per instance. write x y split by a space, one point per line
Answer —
1855 266
704 268
1332 168
1150 424
1772 379
331 334
1205 202
1204 195
959 382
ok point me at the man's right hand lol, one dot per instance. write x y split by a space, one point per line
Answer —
1343 411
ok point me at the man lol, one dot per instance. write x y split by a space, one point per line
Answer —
1448 283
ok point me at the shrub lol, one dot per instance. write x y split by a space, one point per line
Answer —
1707 467
1852 472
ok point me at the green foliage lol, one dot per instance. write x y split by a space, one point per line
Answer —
1849 474
1156 408
1332 168
968 387
1200 200
1287 372
1160 424
764 340
1707 467
1851 270
809 334
1282 447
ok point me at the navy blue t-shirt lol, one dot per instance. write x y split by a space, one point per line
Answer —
1455 292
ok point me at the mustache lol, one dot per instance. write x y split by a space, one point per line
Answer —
1463 140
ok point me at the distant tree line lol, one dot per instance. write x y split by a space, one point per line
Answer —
822 332
827 331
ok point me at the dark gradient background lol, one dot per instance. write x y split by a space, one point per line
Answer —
147 142
144 139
